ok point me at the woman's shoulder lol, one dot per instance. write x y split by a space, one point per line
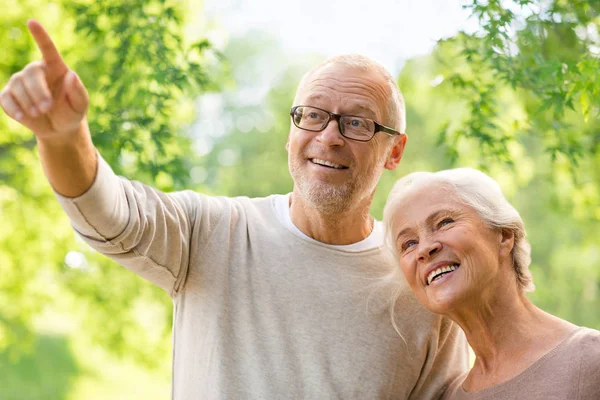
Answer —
588 342
585 342
576 360
586 338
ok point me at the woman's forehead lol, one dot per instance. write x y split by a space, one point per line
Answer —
424 202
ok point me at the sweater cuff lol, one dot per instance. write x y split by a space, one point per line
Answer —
101 212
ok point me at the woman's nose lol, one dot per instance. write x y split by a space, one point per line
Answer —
429 249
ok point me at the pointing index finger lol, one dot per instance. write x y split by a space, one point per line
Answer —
52 57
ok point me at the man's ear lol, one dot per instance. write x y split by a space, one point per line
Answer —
395 154
287 145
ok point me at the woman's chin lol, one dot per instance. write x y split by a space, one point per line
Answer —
442 300
443 295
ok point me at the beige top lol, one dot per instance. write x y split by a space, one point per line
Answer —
571 371
261 312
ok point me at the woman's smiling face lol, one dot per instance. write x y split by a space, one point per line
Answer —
447 252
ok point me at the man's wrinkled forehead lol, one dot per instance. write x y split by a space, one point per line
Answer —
356 90
352 106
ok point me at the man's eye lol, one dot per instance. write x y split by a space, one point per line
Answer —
356 123
313 115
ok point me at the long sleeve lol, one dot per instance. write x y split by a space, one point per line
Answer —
447 358
141 228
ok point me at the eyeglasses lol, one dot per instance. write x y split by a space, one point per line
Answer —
352 127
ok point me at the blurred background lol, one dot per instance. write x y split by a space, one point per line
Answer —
193 94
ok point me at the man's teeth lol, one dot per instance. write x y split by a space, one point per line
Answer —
327 163
433 275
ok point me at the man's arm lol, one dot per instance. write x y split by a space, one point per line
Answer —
50 99
447 358
140 227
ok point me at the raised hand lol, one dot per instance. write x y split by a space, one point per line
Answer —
46 96
50 99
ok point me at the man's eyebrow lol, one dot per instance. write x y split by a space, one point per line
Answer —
313 97
365 108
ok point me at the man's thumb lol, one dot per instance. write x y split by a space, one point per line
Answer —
75 92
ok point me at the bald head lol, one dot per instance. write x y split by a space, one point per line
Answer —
395 114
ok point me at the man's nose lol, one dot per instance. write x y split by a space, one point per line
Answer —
331 135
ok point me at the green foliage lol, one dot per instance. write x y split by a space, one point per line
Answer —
548 51
29 379
138 71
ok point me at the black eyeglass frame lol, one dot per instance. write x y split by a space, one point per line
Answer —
378 127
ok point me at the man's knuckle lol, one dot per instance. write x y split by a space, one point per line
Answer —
30 82
17 76
33 69
5 104
16 88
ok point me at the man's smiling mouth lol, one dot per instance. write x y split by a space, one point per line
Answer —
327 163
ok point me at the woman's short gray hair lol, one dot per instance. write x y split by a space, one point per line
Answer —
478 191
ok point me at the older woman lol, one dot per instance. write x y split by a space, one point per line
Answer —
463 251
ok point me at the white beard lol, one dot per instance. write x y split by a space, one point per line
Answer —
326 198
332 199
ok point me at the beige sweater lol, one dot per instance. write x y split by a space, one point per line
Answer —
261 313
571 371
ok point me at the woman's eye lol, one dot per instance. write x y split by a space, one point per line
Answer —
445 221
408 244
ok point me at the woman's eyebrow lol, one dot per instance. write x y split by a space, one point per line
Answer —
434 215
403 232
445 212
430 218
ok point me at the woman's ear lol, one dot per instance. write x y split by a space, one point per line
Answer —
507 242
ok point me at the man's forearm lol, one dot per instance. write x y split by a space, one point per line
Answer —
70 165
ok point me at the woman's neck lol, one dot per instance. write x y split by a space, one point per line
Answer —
507 334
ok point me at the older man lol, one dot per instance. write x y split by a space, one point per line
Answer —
273 297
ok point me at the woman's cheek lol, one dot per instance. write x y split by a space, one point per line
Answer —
409 270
